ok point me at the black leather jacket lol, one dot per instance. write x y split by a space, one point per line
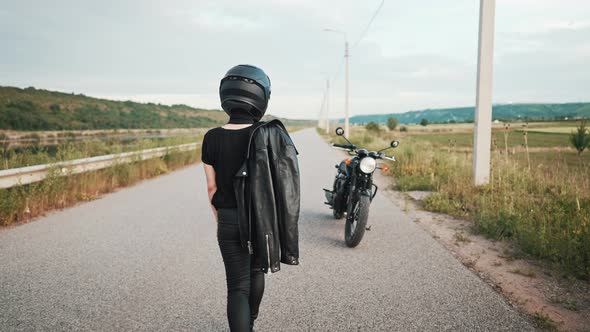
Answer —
267 194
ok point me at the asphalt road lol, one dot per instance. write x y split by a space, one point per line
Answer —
146 259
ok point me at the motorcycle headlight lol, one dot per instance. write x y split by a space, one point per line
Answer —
368 165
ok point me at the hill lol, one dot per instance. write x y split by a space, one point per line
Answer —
37 109
499 112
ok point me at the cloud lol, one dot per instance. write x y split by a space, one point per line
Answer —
415 55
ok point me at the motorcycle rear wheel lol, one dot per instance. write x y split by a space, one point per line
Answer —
356 221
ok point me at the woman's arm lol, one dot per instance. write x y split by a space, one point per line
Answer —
211 185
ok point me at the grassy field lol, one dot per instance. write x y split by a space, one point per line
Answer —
515 138
539 200
21 203
468 127
555 130
34 153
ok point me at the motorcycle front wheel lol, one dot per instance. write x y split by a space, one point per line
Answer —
356 221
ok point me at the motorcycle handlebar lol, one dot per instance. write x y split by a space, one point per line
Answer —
351 147
343 146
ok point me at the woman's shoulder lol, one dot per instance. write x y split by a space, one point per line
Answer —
210 136
211 132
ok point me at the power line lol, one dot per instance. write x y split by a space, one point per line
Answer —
369 24
340 66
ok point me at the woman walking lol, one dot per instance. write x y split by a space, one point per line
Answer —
253 186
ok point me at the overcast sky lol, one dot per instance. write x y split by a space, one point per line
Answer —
416 54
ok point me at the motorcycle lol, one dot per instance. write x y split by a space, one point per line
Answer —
353 188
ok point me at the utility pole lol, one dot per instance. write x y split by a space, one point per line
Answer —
346 56
346 106
327 106
482 139
320 116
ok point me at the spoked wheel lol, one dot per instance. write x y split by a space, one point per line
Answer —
356 221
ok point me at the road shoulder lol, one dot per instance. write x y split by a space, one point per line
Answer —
552 301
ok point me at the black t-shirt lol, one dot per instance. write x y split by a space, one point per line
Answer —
225 150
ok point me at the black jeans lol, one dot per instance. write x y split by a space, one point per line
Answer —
245 285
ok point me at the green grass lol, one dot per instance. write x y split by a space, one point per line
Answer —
544 322
562 159
21 203
515 139
568 303
35 154
555 130
544 209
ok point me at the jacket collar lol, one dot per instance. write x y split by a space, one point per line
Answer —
260 124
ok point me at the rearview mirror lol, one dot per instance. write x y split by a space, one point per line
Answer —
339 131
394 144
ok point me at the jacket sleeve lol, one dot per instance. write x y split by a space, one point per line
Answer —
285 172
263 205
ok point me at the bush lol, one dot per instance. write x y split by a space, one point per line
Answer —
580 139
403 128
55 108
372 126
424 122
392 123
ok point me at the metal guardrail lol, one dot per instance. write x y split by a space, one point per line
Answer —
25 175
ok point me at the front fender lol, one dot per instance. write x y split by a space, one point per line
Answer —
371 194
366 192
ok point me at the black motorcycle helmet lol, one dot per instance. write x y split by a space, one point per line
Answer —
245 88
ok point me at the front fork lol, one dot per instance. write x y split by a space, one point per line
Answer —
361 184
